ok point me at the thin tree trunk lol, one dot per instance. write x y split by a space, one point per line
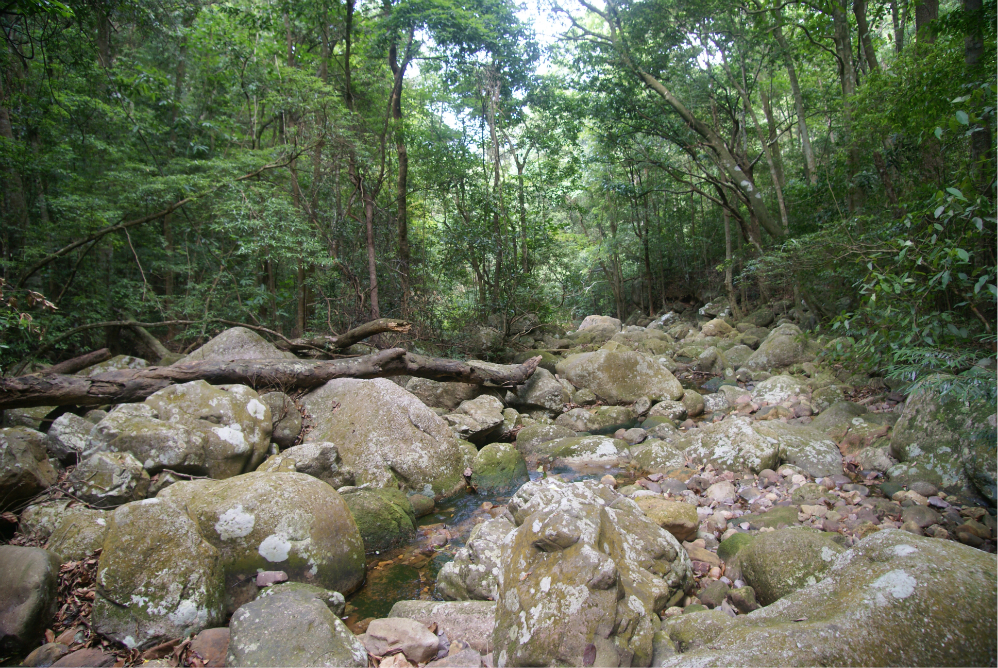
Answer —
843 48
898 25
372 264
810 166
402 181
926 11
863 28
728 285
981 143
774 142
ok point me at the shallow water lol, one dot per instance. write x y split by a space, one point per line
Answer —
410 572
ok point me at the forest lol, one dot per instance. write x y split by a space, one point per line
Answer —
477 167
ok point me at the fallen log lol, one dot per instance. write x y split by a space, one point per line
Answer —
348 338
131 385
79 363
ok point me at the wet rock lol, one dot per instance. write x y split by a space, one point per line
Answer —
620 377
415 641
292 628
674 410
529 438
237 343
67 437
779 563
319 460
498 467
384 517
25 470
157 577
275 521
474 571
109 479
468 621
567 561
388 437
677 517
285 418
861 613
27 596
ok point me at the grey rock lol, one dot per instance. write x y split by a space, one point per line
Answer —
469 621
319 460
67 437
109 479
25 470
27 596
285 418
237 343
415 641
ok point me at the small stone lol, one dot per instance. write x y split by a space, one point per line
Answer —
487 505
674 611
608 481
967 537
212 645
642 405
421 505
937 531
926 489
912 527
923 516
46 655
714 573
743 598
721 491
267 578
713 594
936 502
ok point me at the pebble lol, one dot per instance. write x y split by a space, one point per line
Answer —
608 481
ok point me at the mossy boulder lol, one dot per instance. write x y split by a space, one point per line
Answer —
548 359
27 597
804 447
473 574
237 343
385 517
319 460
158 578
116 363
783 347
530 439
677 517
622 377
732 444
109 479
388 437
591 450
780 562
656 455
290 522
79 533
948 441
894 599
442 395
25 470
498 467
732 545
693 401
601 420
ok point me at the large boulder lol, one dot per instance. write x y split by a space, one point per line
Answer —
542 390
622 377
498 467
136 429
586 451
777 389
116 363
781 562
948 441
27 596
887 601
716 327
319 460
442 395
109 479
293 627
602 326
235 424
158 578
474 572
804 447
659 456
600 420
67 437
388 437
479 420
237 343
530 438
733 444
584 568
784 347
79 532
289 522
25 470
384 517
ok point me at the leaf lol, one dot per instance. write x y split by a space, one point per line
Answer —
980 283
962 118
963 255
939 211
939 133
978 223
956 193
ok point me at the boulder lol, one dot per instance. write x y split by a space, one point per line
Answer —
157 578
601 324
716 327
674 410
211 645
413 639
27 596
498 467
334 600
319 460
884 602
442 395
284 418
693 402
384 517
474 572
601 420
785 346
824 397
109 479
116 363
658 456
235 424
781 562
947 441
529 439
586 451
275 521
485 418
291 628
79 533
763 317
621 378
677 517
157 444
67 438
584 568
732 444
237 343
777 389
716 402
737 355
25 470
46 655
32 418
542 390
805 447
387 437
468 621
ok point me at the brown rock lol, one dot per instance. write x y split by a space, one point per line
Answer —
86 658
211 645
701 554
46 655
466 657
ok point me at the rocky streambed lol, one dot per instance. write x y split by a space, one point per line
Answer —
689 492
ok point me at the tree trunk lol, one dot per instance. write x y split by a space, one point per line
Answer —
898 24
131 385
981 143
402 181
728 285
843 48
863 28
372 264
774 141
810 166
926 11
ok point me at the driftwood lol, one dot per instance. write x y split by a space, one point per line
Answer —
79 363
130 385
